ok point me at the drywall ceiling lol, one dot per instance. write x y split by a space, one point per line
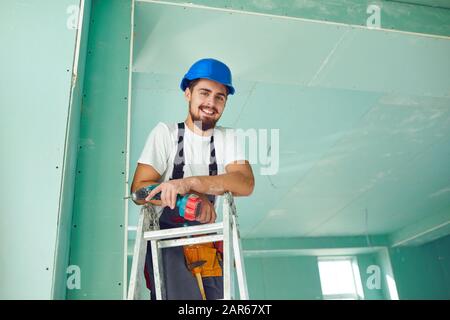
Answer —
363 116
429 3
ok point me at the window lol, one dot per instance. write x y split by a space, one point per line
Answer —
340 278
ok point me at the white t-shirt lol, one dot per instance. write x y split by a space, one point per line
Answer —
161 146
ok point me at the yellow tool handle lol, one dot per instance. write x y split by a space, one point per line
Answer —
200 285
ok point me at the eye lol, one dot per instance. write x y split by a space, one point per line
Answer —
204 93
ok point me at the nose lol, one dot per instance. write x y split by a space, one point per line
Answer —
209 101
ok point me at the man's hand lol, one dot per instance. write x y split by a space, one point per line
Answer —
208 212
169 191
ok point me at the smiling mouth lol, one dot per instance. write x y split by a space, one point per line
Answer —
207 111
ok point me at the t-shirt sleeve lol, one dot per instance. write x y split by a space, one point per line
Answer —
157 148
234 150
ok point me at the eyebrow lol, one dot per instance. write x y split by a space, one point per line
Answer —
220 93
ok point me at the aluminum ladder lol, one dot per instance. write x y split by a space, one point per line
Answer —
226 231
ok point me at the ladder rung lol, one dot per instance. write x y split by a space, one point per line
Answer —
183 231
227 231
188 241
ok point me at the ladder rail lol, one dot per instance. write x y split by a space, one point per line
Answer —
139 253
237 250
239 261
227 295
158 270
227 231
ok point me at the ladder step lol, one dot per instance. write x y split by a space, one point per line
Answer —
226 231
188 241
183 231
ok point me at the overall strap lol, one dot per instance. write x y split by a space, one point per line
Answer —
212 165
178 164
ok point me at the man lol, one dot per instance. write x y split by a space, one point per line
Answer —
194 156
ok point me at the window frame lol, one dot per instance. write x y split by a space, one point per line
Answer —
357 281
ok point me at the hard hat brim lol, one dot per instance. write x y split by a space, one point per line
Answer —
185 83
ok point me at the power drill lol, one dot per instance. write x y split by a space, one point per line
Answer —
189 205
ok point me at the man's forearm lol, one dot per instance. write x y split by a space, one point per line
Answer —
235 182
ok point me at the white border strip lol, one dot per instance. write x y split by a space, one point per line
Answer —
399 243
197 6
78 42
127 158
329 252
389 274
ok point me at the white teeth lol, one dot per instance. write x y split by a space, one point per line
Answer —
207 112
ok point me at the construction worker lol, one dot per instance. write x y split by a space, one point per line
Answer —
194 156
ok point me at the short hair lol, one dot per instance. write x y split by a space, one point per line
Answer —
194 82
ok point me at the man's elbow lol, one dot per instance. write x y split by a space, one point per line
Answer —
249 187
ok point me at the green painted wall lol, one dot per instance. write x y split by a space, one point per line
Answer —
420 272
98 226
404 16
36 64
423 272
66 142
283 278
68 186
287 268
297 277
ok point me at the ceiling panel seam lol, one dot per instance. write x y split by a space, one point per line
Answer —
402 165
325 61
245 103
256 226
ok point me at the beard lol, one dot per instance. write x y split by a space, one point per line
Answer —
204 125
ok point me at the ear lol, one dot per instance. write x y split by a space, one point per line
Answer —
187 94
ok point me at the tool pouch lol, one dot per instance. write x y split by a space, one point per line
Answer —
208 253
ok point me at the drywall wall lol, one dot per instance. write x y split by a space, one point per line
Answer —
98 226
35 115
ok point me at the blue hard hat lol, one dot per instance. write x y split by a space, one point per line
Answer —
208 69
